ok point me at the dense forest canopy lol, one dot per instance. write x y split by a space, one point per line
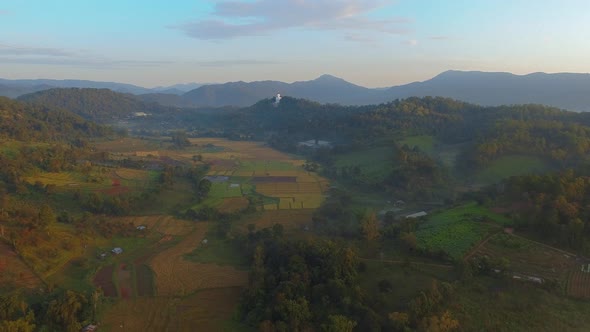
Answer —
102 105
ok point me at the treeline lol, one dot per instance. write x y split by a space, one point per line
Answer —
561 142
67 311
102 105
554 206
300 285
486 132
39 123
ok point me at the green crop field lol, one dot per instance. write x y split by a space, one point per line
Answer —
457 230
507 166
424 142
375 163
265 165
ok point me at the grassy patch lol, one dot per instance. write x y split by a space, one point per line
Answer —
375 163
218 251
261 166
423 142
456 230
488 304
406 283
508 166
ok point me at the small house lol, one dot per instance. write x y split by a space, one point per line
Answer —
141 228
89 328
417 215
117 251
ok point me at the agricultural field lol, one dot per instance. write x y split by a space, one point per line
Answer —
425 143
209 310
530 258
241 168
289 219
233 204
375 163
14 272
53 251
578 285
175 276
507 166
163 224
457 230
501 304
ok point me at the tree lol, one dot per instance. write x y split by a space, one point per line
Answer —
339 323
65 312
400 320
444 323
370 227
180 139
409 240
204 188
46 217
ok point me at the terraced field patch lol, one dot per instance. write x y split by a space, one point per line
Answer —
176 276
14 272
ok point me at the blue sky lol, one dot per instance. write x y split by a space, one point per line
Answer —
368 42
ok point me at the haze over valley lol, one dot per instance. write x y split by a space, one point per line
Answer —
328 165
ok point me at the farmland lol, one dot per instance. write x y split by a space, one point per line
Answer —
177 276
240 169
13 270
507 166
425 143
175 265
374 163
578 285
530 259
457 230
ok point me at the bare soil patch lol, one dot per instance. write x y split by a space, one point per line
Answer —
104 279
267 179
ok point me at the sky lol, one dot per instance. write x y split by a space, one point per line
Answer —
374 43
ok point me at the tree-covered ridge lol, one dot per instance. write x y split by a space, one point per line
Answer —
555 206
25 122
94 104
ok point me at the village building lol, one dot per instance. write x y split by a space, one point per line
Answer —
315 144
417 215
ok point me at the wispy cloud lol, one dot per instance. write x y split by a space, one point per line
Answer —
410 42
27 51
226 63
439 37
64 57
232 19
80 62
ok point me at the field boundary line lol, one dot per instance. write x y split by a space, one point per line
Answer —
402 261
478 246
549 247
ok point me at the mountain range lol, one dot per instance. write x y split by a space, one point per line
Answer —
569 91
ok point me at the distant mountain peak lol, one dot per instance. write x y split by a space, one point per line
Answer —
329 78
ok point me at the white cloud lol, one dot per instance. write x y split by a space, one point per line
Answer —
232 19
410 42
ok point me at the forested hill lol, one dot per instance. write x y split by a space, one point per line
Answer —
24 122
101 105
487 132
